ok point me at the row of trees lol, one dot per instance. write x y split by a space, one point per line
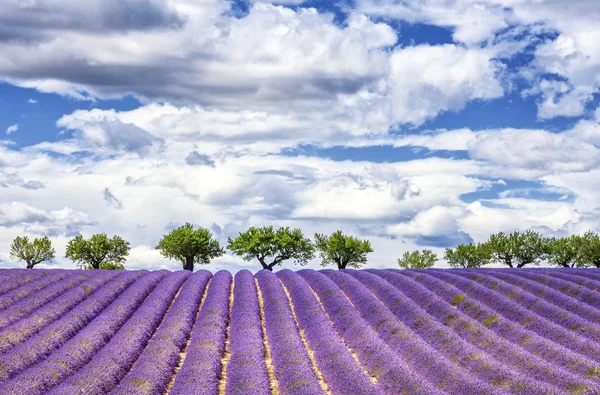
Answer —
197 246
515 249
271 247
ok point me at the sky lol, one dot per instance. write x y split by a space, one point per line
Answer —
411 124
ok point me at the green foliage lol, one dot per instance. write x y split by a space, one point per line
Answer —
262 243
423 259
190 246
517 249
342 250
468 255
98 250
107 266
37 251
590 250
566 251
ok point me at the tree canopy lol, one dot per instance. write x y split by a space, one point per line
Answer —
517 249
271 247
37 251
565 251
590 250
423 259
468 255
190 246
97 251
342 250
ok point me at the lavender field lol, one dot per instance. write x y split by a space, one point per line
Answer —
475 331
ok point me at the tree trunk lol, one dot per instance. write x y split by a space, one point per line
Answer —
189 263
341 265
30 265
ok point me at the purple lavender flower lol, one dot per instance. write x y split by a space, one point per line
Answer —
201 369
247 370
113 361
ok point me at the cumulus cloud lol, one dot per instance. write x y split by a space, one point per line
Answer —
12 129
426 80
102 131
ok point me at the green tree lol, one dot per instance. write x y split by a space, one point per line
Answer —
37 251
468 255
190 246
342 250
517 249
423 259
590 250
97 251
565 251
107 266
280 245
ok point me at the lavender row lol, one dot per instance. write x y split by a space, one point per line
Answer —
38 346
38 299
113 361
247 370
19 277
544 300
585 282
547 320
13 296
420 355
525 371
341 372
392 374
293 369
564 293
486 307
201 369
448 345
151 373
19 331
82 347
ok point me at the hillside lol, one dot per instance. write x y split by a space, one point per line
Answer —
476 331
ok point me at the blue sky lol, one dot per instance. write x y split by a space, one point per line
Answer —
413 124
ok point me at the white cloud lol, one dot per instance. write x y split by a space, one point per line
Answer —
12 129
32 101
426 80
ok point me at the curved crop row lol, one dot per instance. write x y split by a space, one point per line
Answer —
36 347
82 347
358 332
152 371
332 357
108 366
201 369
247 370
293 369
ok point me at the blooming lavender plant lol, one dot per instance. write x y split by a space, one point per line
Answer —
524 370
519 336
20 330
13 296
201 369
40 298
152 371
15 278
82 347
391 372
55 334
107 367
341 372
419 354
293 369
247 370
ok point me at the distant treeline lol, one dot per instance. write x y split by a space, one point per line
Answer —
271 247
